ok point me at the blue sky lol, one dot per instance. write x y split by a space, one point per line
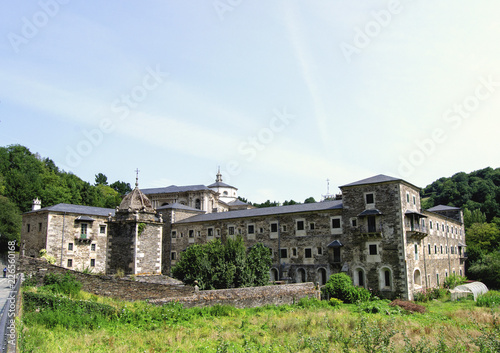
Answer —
282 94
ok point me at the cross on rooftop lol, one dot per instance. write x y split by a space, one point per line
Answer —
137 177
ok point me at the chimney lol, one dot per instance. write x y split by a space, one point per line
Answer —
37 204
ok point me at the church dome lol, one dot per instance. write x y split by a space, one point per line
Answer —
136 201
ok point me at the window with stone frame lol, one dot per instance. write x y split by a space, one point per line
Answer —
251 229
300 224
307 253
191 233
92 247
39 227
294 252
319 250
336 223
283 253
274 227
354 222
230 230
28 227
83 228
70 262
372 249
92 262
210 232
70 246
370 198
174 234
173 256
102 229
312 225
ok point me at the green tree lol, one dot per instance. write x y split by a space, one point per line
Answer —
310 200
471 217
121 187
101 179
259 262
487 270
10 223
484 235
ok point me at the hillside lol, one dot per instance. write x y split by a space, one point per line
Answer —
25 175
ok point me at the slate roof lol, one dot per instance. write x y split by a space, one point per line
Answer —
220 184
266 211
136 201
78 209
237 202
442 208
381 178
174 188
179 206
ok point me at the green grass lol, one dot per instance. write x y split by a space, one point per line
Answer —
307 326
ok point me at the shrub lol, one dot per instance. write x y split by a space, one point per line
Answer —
489 299
58 283
335 302
340 286
454 280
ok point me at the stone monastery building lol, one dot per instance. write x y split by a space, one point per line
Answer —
376 232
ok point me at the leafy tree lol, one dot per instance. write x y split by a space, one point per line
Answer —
216 265
101 179
340 286
121 187
487 270
268 203
10 223
288 203
471 217
484 235
310 200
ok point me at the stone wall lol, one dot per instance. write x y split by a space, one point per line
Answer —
160 293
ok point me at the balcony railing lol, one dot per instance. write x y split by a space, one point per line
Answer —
416 231
375 230
83 237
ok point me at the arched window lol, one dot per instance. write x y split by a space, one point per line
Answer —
301 276
385 279
274 275
417 278
359 277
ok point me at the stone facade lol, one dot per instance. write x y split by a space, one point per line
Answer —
377 233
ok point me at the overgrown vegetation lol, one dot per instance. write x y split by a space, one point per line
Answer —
340 286
52 321
217 265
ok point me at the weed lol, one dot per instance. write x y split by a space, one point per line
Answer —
489 299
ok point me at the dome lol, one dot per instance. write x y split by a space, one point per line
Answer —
136 201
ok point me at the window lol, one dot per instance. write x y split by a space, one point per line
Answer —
441 249
198 233
83 229
435 249
251 229
336 254
370 198
210 232
174 234
387 277
335 223
283 228
294 252
231 230
312 226
414 200
372 224
300 225
416 252
39 227
430 224
92 247
70 247
261 230
28 228
372 249
429 248
308 253
354 222
191 233
361 278
217 232
92 262
408 197
274 227
442 227
102 229
70 263
283 253
437 278
173 256
320 250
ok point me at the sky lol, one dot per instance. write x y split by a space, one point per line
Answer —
281 95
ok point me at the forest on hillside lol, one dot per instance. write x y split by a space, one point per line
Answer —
25 175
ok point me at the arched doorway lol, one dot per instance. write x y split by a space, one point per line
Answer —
274 275
321 276
300 276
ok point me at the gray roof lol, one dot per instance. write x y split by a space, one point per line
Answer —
370 212
220 184
381 178
174 188
179 206
442 208
266 211
78 209
237 202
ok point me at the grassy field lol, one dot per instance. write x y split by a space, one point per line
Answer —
52 322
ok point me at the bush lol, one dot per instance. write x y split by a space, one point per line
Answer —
57 283
453 281
489 299
340 286
335 302
430 294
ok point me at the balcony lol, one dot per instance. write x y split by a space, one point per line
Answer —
369 231
83 238
416 231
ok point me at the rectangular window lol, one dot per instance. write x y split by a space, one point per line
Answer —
294 252
28 228
70 247
320 250
441 249
312 226
70 263
173 255
283 253
308 253
430 224
408 197
300 225
372 224
354 222
435 249
92 247
437 278
92 262
191 233
231 230
416 252
102 229
39 227
283 228
261 230
174 234
83 229
336 254
414 200
274 227
198 233
429 248
370 198
210 232
372 249
335 223
217 232
251 229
